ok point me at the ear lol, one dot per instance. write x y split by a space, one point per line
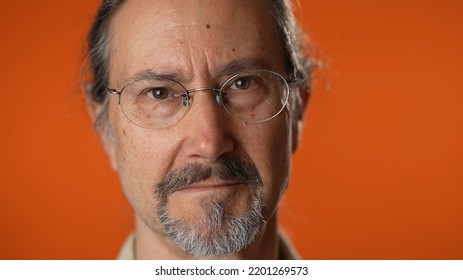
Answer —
298 117
99 114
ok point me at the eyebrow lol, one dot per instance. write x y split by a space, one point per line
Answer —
153 74
240 65
234 67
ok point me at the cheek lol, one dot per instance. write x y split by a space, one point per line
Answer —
269 148
138 151
143 158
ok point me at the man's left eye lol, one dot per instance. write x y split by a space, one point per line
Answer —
242 83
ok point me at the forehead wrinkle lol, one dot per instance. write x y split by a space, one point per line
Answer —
176 18
166 27
171 24
164 22
229 69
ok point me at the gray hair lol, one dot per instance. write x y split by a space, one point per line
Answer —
288 29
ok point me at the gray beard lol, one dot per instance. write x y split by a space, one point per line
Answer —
217 233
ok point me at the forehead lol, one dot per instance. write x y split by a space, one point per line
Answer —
190 37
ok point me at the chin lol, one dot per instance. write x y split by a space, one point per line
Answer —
217 231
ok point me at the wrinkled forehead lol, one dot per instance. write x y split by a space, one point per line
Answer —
182 34
161 15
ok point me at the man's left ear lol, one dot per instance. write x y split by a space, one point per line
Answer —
99 116
298 116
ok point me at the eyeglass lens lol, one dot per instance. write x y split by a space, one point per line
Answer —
253 96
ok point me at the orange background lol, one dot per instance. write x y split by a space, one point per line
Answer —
379 173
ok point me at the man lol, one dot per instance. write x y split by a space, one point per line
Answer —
199 106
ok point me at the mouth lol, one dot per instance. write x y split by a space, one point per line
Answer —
210 186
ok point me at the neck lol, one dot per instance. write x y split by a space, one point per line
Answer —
157 246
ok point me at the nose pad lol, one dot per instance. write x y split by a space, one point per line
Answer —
186 100
219 97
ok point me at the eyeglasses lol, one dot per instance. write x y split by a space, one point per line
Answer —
250 96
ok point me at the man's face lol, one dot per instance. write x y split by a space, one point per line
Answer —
195 41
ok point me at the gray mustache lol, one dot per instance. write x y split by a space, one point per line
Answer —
227 167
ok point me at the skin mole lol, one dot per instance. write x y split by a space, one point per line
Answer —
208 25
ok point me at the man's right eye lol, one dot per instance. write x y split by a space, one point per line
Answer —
158 93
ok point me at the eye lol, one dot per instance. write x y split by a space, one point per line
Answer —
241 83
158 93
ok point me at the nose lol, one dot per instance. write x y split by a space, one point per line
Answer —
207 127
